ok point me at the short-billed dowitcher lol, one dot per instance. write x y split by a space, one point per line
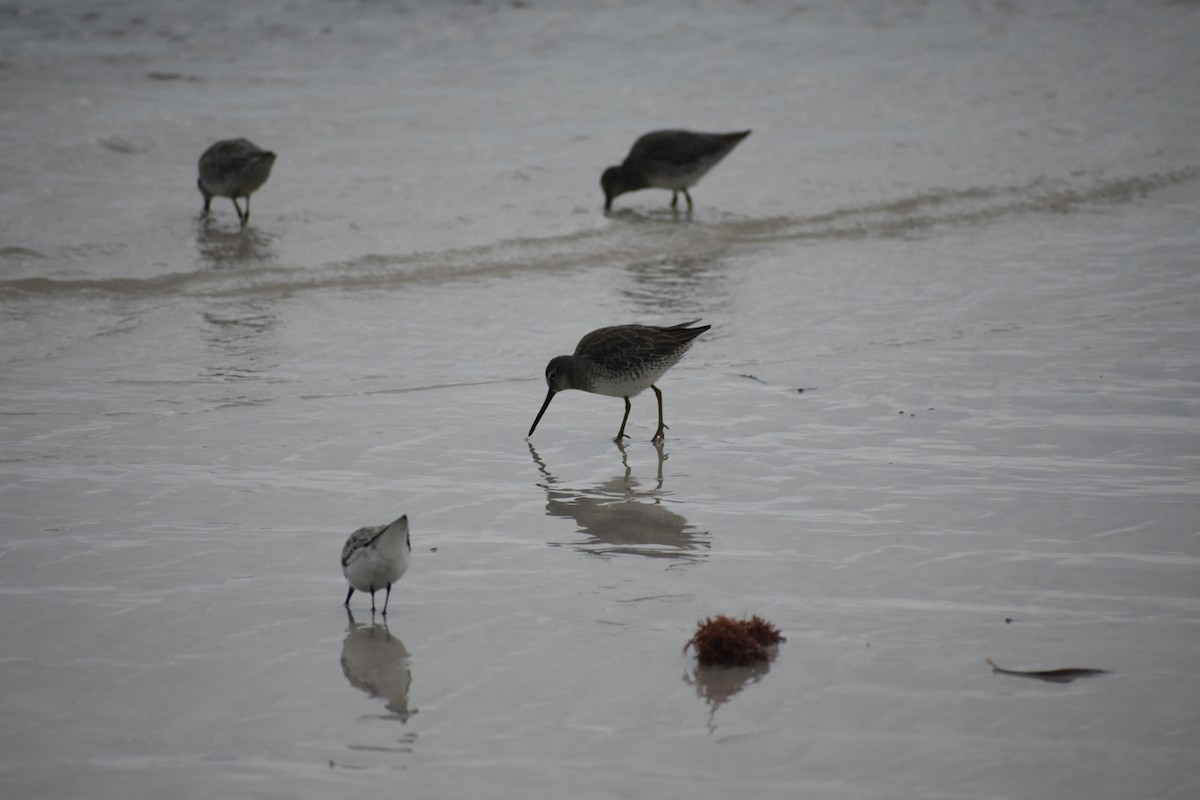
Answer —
620 361
670 159
234 168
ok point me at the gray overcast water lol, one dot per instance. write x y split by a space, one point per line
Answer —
966 231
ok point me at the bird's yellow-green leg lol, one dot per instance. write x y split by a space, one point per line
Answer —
685 194
621 433
674 199
658 434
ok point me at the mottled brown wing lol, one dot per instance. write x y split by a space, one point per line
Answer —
624 348
683 149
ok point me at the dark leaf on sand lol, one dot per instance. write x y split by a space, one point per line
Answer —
1050 675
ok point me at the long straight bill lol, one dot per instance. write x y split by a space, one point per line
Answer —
545 405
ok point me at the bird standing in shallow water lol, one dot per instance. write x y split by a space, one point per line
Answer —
670 159
234 168
374 558
620 361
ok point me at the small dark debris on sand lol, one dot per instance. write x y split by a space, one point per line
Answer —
729 642
756 379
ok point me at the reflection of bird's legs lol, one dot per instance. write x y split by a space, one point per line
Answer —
624 419
625 460
658 446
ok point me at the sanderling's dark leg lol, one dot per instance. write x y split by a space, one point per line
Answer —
387 597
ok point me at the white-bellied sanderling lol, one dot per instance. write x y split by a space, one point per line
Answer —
374 558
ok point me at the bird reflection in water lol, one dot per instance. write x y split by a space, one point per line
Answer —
683 285
376 662
716 685
619 517
242 344
223 248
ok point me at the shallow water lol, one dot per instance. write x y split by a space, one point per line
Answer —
949 408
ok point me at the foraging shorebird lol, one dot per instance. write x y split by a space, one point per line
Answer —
234 168
374 558
670 159
620 361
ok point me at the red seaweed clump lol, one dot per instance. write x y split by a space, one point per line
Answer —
729 642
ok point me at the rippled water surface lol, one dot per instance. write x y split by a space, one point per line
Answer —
948 410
